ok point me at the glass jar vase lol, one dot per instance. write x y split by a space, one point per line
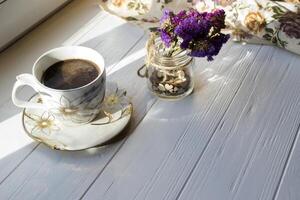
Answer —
169 76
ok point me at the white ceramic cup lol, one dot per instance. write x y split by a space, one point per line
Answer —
72 106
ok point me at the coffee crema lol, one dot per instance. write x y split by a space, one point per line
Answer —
70 74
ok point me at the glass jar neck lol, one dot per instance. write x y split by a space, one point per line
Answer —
163 57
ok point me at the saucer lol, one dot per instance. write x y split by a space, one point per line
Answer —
115 114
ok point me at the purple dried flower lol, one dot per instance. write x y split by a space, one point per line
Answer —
166 29
217 19
194 13
198 32
176 19
166 38
209 47
192 28
165 16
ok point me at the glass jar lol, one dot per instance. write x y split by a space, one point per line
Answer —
168 76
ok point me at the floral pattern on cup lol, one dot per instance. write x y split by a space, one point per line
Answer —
78 110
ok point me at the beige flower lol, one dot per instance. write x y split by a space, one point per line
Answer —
65 108
115 105
72 111
118 3
44 124
255 22
115 99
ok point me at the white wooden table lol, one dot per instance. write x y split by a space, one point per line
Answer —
235 137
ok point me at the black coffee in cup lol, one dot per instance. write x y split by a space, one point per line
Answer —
69 74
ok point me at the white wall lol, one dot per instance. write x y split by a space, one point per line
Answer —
16 16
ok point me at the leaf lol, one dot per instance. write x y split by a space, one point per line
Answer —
145 7
130 5
168 1
277 10
153 29
282 43
269 30
276 16
243 6
131 18
267 36
138 6
274 40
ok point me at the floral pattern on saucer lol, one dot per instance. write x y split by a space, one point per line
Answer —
114 105
44 123
114 115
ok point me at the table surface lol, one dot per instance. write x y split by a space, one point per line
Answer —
235 137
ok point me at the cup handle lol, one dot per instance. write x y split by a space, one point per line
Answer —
23 80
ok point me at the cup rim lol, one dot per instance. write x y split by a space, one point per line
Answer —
72 89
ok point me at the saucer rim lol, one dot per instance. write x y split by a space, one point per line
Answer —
101 145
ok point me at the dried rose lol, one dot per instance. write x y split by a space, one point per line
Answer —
255 22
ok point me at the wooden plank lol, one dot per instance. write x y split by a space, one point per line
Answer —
59 28
157 159
15 146
247 115
69 174
288 188
111 37
248 151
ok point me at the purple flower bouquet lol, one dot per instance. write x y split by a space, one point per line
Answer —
171 48
199 33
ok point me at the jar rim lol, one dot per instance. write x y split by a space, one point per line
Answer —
177 60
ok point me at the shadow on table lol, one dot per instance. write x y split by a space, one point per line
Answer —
209 77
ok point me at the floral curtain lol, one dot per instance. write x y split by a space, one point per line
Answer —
254 21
